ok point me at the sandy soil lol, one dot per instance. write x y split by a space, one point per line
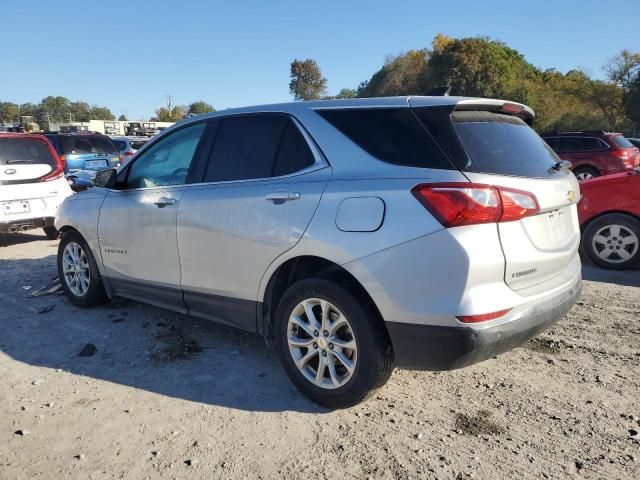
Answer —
168 396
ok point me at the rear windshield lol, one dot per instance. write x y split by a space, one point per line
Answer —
621 141
503 144
20 151
137 144
393 135
83 144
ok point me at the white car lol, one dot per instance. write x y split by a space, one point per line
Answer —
32 183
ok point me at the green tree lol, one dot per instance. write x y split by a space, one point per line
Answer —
347 93
307 82
404 74
477 67
176 114
199 107
122 118
9 112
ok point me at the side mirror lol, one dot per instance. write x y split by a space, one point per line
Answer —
79 183
105 178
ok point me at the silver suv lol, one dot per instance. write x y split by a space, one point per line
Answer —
355 235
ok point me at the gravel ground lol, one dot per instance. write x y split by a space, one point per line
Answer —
168 396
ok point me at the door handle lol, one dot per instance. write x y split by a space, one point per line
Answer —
281 196
164 201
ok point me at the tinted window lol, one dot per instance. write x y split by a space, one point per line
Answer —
621 141
294 153
83 144
167 161
569 144
137 144
120 144
393 135
503 144
634 141
245 148
24 151
591 144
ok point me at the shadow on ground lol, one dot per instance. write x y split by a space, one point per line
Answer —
627 278
7 239
140 346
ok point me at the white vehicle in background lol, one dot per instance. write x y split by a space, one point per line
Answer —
32 183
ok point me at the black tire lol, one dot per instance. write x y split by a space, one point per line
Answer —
95 294
374 363
51 232
586 171
628 223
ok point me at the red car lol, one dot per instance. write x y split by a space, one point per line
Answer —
609 214
594 153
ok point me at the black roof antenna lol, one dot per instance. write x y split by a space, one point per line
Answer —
439 92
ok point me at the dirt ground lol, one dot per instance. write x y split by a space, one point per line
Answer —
168 396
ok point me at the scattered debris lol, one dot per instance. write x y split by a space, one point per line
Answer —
190 463
46 309
634 435
50 290
175 345
478 424
89 350
22 432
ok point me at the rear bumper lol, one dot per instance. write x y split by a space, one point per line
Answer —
25 224
434 347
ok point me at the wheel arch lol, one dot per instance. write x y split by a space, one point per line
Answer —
584 226
301 267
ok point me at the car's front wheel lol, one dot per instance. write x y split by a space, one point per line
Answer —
332 345
613 241
78 271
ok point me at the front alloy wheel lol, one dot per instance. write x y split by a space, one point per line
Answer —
75 268
321 343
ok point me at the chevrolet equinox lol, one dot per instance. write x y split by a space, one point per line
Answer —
354 235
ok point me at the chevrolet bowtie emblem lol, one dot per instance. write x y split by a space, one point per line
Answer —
571 195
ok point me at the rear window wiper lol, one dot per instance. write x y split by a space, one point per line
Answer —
18 160
559 166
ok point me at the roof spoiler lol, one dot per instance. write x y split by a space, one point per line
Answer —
499 106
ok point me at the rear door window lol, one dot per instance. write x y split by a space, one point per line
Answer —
293 154
590 144
503 144
87 144
245 148
393 135
120 144
25 151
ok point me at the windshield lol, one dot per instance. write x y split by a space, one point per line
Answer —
14 151
87 144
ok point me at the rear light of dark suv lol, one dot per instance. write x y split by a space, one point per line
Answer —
458 204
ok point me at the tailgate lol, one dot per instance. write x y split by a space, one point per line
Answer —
500 149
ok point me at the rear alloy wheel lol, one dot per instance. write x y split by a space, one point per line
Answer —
78 272
333 347
585 173
613 241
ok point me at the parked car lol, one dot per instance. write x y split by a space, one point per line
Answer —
32 183
594 153
635 142
355 235
128 146
85 150
609 214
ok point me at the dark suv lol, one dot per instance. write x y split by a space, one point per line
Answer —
594 153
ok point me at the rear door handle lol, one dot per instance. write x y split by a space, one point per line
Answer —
281 196
164 202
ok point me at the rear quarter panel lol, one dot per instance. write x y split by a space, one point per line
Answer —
614 193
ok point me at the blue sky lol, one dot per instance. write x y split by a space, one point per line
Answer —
128 55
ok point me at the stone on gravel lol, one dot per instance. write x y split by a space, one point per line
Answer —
22 432
46 309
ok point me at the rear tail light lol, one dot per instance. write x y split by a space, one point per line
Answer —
128 154
484 317
58 171
458 204
628 160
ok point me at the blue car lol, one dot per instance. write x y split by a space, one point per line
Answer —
85 151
